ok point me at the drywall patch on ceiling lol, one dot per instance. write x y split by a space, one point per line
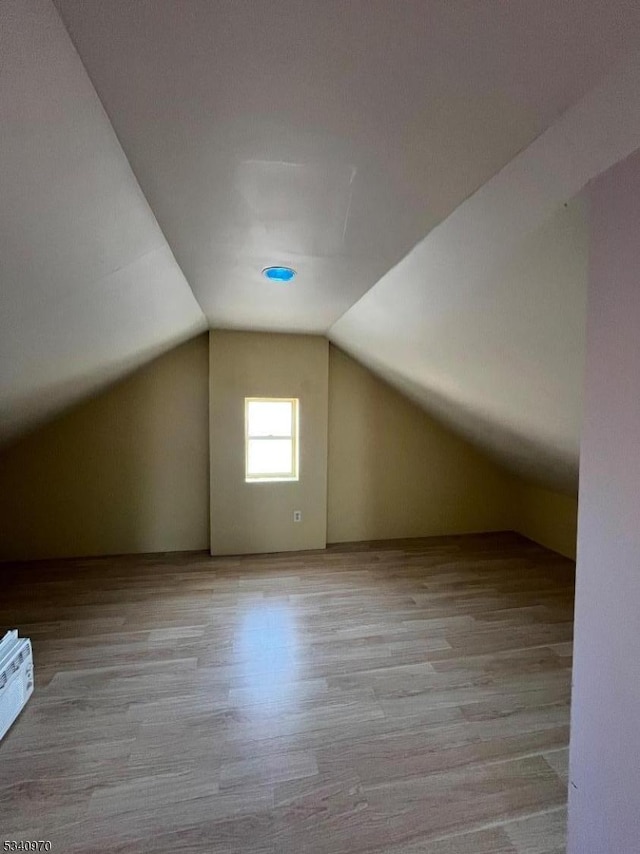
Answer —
427 103
192 87
290 208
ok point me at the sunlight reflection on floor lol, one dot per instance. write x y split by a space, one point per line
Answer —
268 646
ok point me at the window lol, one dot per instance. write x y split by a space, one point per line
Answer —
271 438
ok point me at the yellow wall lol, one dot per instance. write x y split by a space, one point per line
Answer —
129 470
125 472
394 472
258 517
550 518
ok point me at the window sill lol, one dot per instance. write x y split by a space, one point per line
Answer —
271 479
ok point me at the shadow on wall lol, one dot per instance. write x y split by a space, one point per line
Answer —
528 457
125 472
394 472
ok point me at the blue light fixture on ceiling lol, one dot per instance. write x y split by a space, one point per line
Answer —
279 274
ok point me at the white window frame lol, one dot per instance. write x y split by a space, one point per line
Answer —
294 473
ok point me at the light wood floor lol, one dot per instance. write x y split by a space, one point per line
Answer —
410 696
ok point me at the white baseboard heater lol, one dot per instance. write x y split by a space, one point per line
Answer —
16 678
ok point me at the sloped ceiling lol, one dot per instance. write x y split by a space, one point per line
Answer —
499 355
345 138
89 287
391 113
484 321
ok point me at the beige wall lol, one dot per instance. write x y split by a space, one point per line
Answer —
129 470
258 517
394 472
550 518
125 472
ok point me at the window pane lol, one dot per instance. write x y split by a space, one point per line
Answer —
269 456
269 417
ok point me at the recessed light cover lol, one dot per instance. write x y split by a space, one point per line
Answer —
279 274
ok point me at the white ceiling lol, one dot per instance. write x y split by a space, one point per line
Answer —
333 135
483 322
89 287
424 99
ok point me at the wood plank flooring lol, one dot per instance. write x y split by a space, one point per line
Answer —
398 697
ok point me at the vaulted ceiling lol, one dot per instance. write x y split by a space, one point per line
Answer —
419 164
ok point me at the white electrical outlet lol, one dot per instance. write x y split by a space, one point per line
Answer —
297 515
